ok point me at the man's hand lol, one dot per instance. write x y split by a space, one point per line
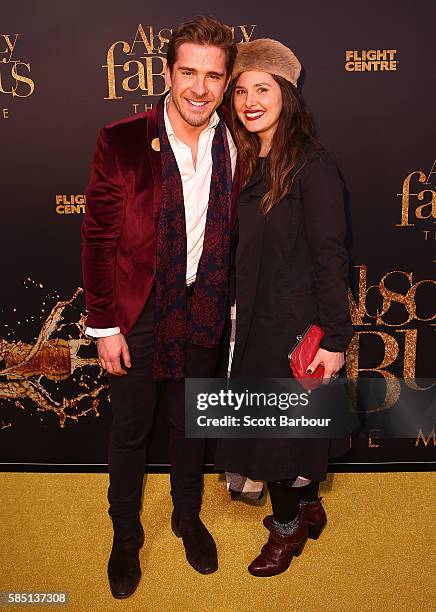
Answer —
109 351
332 363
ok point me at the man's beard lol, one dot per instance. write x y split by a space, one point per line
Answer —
192 119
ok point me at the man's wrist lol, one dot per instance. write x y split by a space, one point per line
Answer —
101 332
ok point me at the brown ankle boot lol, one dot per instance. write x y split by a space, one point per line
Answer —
315 517
276 555
313 514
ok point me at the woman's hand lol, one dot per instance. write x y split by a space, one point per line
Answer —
331 361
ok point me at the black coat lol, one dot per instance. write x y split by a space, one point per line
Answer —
291 271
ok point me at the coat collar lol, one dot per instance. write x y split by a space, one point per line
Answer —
256 183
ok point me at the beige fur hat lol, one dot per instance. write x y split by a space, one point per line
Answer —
267 55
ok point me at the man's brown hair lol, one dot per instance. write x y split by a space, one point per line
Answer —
203 31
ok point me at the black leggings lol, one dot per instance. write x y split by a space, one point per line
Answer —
285 499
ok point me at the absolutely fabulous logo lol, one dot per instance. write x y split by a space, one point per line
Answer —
136 67
395 317
418 201
394 327
15 79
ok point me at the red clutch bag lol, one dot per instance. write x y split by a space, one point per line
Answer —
302 355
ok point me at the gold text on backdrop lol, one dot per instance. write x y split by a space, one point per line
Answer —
139 65
421 212
73 204
371 60
398 309
14 79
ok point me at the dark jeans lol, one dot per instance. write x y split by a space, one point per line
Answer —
133 401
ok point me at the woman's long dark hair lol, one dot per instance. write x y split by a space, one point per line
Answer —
293 143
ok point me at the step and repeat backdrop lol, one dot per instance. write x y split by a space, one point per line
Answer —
66 69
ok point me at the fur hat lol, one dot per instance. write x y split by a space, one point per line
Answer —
267 55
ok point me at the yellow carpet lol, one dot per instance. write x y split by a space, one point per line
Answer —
377 552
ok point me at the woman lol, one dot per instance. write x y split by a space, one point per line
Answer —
291 271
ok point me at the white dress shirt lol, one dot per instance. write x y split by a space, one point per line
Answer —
196 188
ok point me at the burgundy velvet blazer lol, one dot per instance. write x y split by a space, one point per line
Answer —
119 227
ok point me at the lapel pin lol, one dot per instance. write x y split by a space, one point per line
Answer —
155 144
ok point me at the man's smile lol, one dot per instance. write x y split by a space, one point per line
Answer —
197 103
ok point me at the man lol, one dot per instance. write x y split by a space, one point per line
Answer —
156 235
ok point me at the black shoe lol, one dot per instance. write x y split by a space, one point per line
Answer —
124 570
199 545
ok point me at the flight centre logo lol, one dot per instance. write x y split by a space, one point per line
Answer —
70 204
135 68
15 73
371 60
418 201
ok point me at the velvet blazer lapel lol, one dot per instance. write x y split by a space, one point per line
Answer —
153 150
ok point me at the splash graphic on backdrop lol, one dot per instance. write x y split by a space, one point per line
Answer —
137 65
31 371
418 202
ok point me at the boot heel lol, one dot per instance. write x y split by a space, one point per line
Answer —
300 548
314 531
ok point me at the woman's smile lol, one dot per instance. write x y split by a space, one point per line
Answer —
253 115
